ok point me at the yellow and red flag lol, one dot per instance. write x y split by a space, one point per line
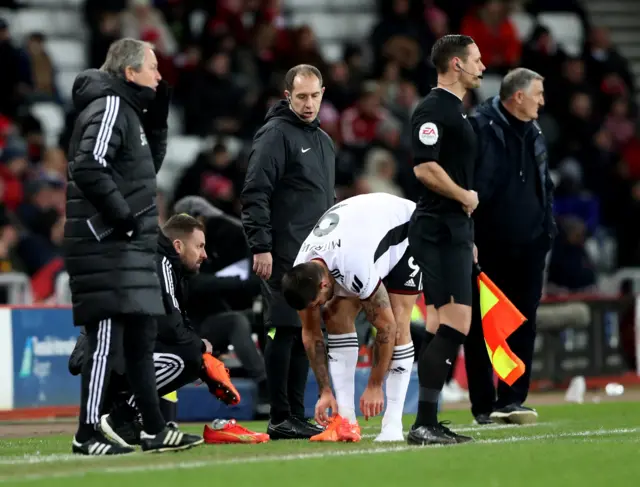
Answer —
500 318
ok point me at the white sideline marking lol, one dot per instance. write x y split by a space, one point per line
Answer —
466 429
269 458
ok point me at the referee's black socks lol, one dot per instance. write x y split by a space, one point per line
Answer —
436 357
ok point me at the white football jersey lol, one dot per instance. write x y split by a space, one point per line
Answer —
360 240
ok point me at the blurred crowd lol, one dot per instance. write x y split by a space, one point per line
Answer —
227 64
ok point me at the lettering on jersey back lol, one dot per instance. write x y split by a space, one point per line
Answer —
333 245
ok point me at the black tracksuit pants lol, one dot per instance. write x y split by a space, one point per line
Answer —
518 272
132 337
285 357
234 328
176 366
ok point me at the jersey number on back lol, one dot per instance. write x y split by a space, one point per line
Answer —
415 268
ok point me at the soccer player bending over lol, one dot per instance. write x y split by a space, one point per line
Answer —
356 257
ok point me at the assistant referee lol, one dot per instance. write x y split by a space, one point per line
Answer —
441 229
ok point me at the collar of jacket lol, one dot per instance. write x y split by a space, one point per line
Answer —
166 249
491 110
92 84
283 111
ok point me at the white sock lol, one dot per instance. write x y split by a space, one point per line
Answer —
397 383
343 359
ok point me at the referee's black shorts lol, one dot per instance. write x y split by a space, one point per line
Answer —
442 245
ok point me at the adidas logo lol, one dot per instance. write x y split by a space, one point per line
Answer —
173 438
397 370
331 359
99 449
410 283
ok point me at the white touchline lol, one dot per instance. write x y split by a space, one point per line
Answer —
468 429
270 458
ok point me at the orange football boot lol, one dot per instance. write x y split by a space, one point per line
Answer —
217 378
222 431
339 429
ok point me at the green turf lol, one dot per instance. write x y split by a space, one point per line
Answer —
573 445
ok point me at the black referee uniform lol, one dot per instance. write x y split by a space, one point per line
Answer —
441 241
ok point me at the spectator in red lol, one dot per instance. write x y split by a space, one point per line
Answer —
619 123
227 20
360 125
495 35
13 167
215 177
142 20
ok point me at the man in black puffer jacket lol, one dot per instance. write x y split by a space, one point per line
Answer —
116 148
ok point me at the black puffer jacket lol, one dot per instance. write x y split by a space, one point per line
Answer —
112 172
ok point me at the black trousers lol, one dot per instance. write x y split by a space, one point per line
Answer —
285 357
175 366
234 328
518 272
131 337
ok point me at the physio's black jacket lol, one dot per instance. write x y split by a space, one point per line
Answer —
289 185
512 178
442 133
174 327
112 157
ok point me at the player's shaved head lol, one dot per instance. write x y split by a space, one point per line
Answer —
301 285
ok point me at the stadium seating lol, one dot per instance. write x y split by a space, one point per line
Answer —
490 87
52 118
566 29
67 54
524 24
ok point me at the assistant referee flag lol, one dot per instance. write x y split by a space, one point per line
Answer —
500 318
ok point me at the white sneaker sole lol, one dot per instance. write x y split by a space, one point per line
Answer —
110 433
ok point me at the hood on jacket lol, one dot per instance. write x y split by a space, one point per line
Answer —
282 111
490 109
166 249
93 84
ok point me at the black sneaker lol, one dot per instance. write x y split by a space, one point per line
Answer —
437 434
124 433
169 439
307 425
99 445
515 414
290 429
483 419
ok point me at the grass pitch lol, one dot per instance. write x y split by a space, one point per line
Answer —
573 445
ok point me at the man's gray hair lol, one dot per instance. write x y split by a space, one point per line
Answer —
125 53
516 80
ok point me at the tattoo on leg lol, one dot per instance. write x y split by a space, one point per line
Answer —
373 307
382 338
